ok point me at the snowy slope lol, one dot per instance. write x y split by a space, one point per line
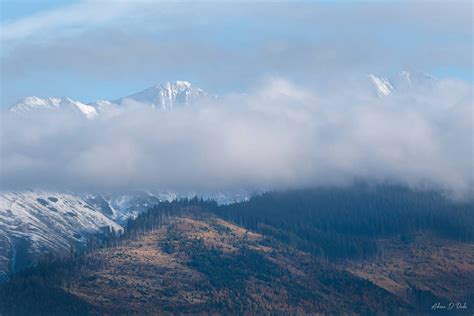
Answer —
121 206
403 82
382 86
34 223
167 95
163 96
29 104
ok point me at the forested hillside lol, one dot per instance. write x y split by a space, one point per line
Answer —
345 222
354 250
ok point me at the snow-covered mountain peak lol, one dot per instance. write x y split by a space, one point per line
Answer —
33 103
167 95
404 82
163 96
174 85
383 87
405 75
408 80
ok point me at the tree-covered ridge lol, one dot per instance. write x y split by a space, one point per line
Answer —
345 222
331 222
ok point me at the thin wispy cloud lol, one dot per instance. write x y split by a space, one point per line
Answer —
109 46
73 17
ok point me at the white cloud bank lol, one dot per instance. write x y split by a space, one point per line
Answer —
278 136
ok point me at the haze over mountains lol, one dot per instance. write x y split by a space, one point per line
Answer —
166 96
73 167
250 158
163 96
113 145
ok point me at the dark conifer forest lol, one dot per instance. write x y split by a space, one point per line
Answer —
342 223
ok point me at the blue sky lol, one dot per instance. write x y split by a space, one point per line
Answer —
92 50
15 9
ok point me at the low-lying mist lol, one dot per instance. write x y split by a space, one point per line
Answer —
278 136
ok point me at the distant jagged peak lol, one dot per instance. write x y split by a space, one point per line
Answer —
167 95
162 96
412 79
404 81
33 103
383 87
174 85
